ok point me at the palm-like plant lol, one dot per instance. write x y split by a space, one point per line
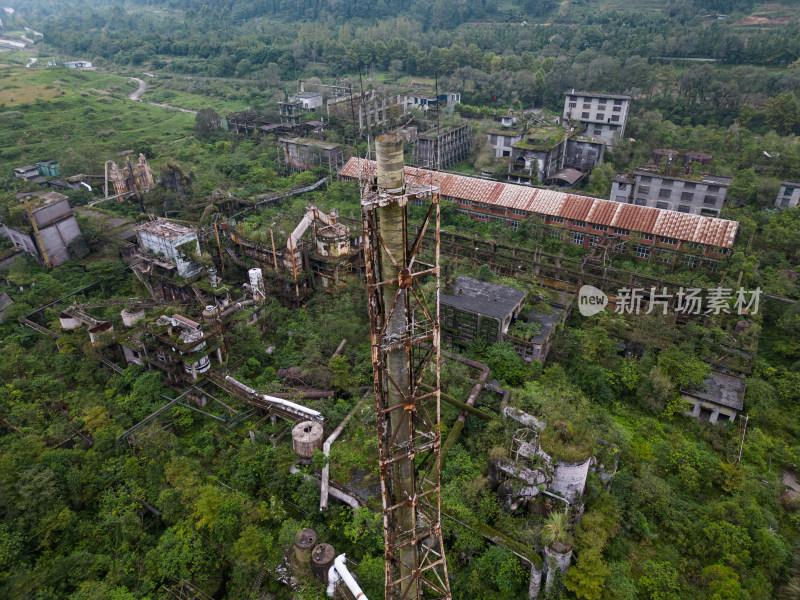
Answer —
556 528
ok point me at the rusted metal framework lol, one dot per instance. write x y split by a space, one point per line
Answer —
405 335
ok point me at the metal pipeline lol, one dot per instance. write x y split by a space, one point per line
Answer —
335 492
297 409
305 394
238 306
326 450
339 571
476 390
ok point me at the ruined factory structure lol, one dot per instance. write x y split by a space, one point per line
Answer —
298 265
473 310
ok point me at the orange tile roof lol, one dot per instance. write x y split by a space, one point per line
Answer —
710 231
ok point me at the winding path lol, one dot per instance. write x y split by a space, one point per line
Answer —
31 61
137 94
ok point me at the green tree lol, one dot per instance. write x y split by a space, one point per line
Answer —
782 112
587 578
207 123
682 367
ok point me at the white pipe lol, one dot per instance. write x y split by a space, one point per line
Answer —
286 404
349 580
335 492
333 581
326 450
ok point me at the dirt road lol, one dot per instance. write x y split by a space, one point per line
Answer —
136 96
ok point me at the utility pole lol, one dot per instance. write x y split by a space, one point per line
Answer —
404 329
741 444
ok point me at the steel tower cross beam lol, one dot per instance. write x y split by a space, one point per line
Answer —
404 327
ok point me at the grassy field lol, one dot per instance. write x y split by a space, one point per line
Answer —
192 93
80 118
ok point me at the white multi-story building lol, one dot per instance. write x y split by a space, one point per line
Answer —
604 115
789 195
172 242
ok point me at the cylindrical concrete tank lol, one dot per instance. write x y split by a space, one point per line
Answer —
389 154
322 557
100 328
210 313
68 321
256 277
660 154
699 157
557 557
130 317
569 479
306 437
304 542
333 241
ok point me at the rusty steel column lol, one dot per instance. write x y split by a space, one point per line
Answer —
404 327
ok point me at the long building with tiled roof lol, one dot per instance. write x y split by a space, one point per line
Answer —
585 219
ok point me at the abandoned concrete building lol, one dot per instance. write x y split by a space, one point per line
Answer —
26 172
170 244
45 228
788 195
446 100
719 399
605 115
440 148
306 154
473 309
253 124
537 329
37 172
672 189
176 345
501 140
370 110
545 153
650 233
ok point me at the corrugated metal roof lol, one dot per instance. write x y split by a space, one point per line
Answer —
710 231
576 207
603 213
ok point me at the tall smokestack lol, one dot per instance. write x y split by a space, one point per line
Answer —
389 154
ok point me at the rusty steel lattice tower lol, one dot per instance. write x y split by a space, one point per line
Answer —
405 345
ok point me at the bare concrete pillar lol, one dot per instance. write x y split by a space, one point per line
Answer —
558 557
535 584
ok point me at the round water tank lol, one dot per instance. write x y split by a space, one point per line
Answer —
210 313
333 241
569 479
68 321
322 557
306 437
699 157
304 541
130 317
96 330
660 154
256 278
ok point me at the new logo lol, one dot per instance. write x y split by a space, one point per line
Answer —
591 300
